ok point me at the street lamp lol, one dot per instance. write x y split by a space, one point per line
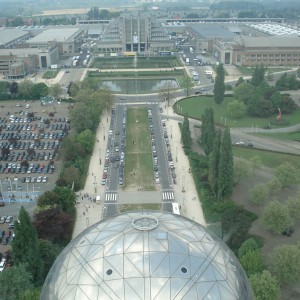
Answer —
1 190
100 155
183 190
95 184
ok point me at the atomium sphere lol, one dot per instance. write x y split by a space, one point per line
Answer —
146 255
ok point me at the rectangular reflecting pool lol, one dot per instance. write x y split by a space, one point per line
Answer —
139 86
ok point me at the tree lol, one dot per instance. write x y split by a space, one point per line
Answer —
53 224
219 86
265 286
26 248
259 194
293 205
86 140
235 224
225 169
14 281
186 84
93 13
49 252
55 90
274 185
186 135
284 263
39 90
80 117
13 89
258 76
252 262
244 92
30 294
166 92
236 109
214 159
287 174
207 130
71 176
255 162
248 245
25 89
276 217
240 81
62 197
242 170
70 148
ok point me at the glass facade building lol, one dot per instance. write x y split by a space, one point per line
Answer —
146 255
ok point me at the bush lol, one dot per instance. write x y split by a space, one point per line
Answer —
259 194
281 122
248 245
252 262
267 126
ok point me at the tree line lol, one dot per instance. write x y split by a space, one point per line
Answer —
37 243
27 90
90 99
215 175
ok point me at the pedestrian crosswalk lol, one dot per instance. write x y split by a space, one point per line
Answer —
111 197
168 195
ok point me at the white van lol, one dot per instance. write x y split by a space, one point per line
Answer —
27 106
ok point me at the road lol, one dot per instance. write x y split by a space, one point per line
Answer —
117 136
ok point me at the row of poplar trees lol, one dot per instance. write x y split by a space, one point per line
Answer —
218 148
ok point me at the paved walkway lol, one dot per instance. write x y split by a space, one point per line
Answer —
89 212
185 190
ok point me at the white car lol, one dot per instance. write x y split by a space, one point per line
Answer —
240 143
157 180
45 179
39 179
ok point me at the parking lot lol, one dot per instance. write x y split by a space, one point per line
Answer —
30 138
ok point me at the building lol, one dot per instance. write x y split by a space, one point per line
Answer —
12 38
135 32
146 255
68 39
251 51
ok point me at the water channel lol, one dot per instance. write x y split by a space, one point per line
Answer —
141 86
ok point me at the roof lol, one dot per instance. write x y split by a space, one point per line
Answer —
209 31
8 35
59 35
22 52
146 255
272 41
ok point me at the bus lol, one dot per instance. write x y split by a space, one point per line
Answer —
175 209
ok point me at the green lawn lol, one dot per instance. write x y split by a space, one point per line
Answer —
147 206
132 63
248 71
268 158
292 136
139 165
50 74
195 106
